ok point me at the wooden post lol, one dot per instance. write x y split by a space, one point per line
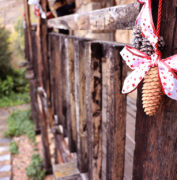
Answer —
28 27
156 145
43 82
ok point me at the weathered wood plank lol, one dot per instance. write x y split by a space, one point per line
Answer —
62 52
81 54
28 28
113 115
94 107
70 84
107 19
156 145
56 79
106 111
52 48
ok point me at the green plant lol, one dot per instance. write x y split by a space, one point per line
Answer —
5 53
13 147
14 99
20 123
35 169
6 86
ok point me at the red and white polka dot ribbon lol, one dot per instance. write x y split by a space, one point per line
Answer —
141 63
38 11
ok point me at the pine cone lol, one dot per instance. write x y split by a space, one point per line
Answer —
152 92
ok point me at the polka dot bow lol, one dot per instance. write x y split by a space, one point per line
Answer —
141 63
38 11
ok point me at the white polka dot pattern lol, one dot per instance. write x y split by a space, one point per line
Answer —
172 62
134 79
168 80
145 21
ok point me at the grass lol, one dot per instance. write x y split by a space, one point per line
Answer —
14 99
20 123
13 147
35 169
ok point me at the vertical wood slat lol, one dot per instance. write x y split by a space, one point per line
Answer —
70 96
113 115
33 84
155 154
62 51
43 82
55 75
105 113
81 54
57 79
94 86
52 46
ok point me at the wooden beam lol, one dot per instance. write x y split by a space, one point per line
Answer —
117 17
28 27
156 144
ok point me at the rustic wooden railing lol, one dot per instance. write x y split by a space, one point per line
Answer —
76 92
85 93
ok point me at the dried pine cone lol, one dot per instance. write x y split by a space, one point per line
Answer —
152 92
141 43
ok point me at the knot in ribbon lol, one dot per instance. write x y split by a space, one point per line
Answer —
141 63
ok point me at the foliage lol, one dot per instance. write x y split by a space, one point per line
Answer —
17 38
14 82
14 99
14 90
20 123
13 147
6 86
5 54
35 169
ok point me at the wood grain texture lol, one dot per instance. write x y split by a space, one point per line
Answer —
81 54
113 114
62 52
95 117
107 19
70 84
156 149
43 81
106 109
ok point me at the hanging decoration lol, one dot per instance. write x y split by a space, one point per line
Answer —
38 11
158 74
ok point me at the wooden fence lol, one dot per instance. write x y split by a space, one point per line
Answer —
81 92
86 79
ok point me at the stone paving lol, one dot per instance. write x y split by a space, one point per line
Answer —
5 155
5 160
